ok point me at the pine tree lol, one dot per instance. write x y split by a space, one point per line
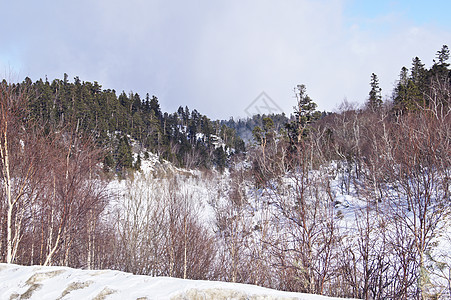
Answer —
375 97
124 158
400 96
443 56
102 113
155 106
418 72
137 165
305 114
440 68
403 76
417 84
262 135
408 94
220 158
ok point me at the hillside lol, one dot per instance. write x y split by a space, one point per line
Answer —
185 137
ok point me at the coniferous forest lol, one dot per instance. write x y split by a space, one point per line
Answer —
185 137
352 203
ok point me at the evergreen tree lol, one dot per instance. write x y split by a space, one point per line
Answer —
400 95
155 106
418 72
305 114
408 95
113 119
442 56
417 85
404 76
262 135
220 158
137 165
124 156
375 98
440 69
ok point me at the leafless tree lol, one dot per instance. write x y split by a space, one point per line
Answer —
232 229
20 156
158 230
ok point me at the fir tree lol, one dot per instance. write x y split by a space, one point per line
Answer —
124 157
375 98
418 72
400 95
305 114
439 69
220 158
442 56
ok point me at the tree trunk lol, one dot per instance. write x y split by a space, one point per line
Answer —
7 182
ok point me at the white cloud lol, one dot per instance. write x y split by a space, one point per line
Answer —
216 56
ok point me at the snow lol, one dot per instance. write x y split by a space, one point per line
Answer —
37 282
207 194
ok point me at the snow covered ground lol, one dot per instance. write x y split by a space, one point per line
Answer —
37 282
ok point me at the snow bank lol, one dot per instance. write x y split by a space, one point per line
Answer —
37 282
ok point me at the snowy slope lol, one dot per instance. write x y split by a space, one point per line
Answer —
209 195
36 282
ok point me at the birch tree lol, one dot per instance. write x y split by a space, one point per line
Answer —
19 157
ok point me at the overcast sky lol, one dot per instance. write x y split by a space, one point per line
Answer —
219 56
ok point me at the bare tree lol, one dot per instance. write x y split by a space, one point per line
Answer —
158 230
76 197
304 220
232 229
20 156
421 172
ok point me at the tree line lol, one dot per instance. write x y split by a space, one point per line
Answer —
186 138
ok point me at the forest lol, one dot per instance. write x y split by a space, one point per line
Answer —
353 203
185 137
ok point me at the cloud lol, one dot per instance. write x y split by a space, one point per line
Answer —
215 56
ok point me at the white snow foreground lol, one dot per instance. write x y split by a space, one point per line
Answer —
37 282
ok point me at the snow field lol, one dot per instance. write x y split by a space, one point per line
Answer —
62 283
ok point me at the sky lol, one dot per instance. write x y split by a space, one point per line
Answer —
224 58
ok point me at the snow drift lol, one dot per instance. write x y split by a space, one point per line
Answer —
37 282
